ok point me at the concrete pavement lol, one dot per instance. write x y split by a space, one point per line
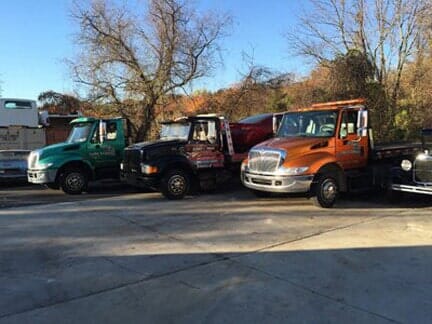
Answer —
215 258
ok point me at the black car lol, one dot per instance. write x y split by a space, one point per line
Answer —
415 174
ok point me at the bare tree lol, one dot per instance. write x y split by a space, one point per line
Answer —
140 57
385 31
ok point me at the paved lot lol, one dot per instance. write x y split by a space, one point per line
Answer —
15 195
225 257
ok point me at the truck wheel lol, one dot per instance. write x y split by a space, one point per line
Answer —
325 191
175 184
73 181
261 194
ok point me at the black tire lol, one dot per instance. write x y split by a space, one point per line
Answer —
261 194
325 191
74 181
53 186
175 184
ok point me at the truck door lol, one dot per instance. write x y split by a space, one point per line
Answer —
350 147
103 149
203 146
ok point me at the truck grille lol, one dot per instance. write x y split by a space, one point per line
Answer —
423 170
264 160
132 160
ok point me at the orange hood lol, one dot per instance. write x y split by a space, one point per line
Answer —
296 145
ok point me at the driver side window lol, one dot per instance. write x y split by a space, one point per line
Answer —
205 132
349 123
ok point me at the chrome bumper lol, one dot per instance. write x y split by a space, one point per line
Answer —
413 189
41 176
277 183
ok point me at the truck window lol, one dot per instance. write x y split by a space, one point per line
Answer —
349 123
79 133
308 123
175 131
111 131
18 104
204 131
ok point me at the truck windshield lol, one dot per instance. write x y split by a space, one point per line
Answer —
79 133
308 123
175 131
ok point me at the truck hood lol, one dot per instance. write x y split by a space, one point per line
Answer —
58 148
295 145
151 145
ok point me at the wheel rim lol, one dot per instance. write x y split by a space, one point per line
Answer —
75 181
329 190
177 184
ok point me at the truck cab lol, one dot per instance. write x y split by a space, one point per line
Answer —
192 152
414 174
92 151
321 151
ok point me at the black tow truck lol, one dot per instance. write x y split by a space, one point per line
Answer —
414 174
193 153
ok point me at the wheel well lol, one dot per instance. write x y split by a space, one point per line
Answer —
76 165
178 166
336 172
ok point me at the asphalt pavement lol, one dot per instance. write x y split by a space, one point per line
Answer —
223 257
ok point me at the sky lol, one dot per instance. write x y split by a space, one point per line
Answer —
37 36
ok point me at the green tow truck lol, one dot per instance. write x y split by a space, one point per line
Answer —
93 151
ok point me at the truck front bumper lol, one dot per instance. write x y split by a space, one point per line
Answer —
41 176
139 180
277 183
413 189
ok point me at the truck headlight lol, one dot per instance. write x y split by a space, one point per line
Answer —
148 169
244 165
293 171
43 166
406 165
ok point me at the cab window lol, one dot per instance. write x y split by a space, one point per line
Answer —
111 131
204 132
349 123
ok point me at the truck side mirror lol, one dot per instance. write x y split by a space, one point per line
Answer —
277 118
362 123
102 131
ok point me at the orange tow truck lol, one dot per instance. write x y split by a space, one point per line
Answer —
322 150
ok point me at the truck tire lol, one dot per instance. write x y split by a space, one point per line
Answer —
325 191
74 181
175 184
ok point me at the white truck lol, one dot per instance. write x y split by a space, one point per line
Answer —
19 125
23 127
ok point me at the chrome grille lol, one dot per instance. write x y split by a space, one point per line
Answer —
264 160
423 170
